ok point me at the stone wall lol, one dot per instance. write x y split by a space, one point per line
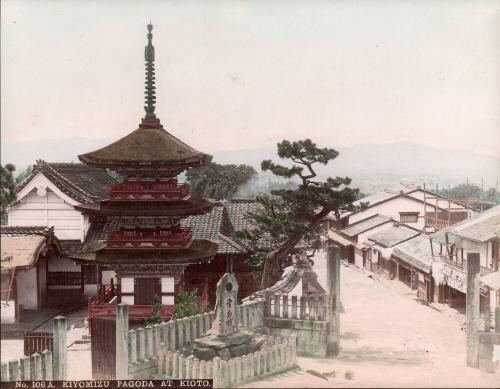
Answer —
489 351
310 335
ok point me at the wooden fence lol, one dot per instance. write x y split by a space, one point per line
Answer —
294 307
47 365
277 356
36 342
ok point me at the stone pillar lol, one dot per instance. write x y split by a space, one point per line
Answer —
60 362
333 313
472 310
497 319
121 341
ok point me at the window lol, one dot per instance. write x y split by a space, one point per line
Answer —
408 217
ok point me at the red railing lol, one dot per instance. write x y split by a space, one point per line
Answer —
156 237
149 190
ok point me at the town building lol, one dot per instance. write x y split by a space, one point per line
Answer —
28 254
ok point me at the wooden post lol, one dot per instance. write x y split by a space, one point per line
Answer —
60 356
141 345
216 373
472 310
25 368
303 303
267 304
14 370
172 341
47 365
333 303
121 341
497 319
132 336
36 362
276 311
149 342
285 306
294 307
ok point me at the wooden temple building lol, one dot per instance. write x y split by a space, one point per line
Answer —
133 234
136 232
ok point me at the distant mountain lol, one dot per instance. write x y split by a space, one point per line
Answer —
384 163
391 163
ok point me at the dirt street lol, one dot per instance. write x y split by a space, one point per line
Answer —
388 339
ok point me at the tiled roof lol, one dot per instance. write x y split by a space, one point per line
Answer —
481 228
365 225
393 235
21 246
70 246
82 183
417 252
237 210
214 225
27 230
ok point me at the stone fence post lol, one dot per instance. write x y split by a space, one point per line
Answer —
333 303
60 356
472 310
121 341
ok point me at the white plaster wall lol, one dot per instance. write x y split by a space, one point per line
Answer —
107 275
128 300
167 285
127 284
392 209
27 288
167 300
7 311
90 290
47 210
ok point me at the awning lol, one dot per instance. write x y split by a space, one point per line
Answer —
20 250
492 280
336 237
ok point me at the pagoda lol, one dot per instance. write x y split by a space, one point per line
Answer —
136 231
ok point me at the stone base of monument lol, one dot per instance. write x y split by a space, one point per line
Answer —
227 346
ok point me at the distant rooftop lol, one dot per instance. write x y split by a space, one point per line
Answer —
417 252
480 228
365 225
393 235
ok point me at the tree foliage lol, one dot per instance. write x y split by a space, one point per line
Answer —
24 174
154 318
289 216
7 187
472 192
186 304
217 181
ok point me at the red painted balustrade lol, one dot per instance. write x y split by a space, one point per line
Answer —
149 237
142 190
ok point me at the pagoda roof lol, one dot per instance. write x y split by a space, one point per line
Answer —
149 145
186 207
199 251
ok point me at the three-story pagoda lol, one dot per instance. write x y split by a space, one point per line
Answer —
136 232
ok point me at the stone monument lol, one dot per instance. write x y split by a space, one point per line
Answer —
225 339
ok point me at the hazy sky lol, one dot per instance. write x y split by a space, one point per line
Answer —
236 74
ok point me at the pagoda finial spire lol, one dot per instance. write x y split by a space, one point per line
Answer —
149 57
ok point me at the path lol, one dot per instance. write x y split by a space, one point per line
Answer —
389 340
